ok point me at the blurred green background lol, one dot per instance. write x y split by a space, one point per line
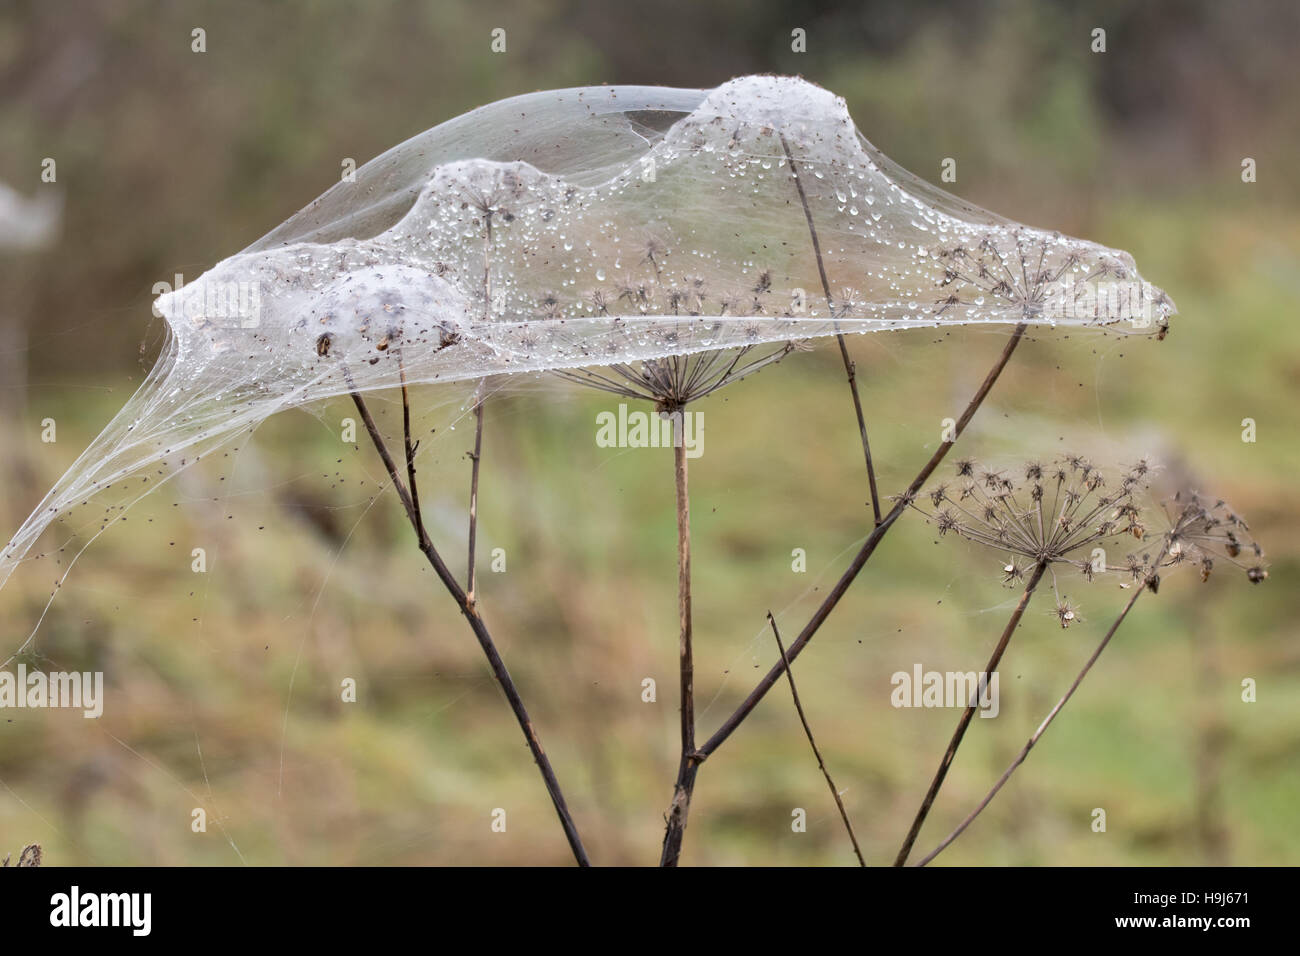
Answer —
224 687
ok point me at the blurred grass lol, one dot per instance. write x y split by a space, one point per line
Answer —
224 687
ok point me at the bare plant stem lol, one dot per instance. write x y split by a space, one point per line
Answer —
849 366
864 553
689 764
409 448
687 780
1047 721
478 412
410 503
794 692
964 722
473 491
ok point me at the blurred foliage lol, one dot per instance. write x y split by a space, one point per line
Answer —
223 687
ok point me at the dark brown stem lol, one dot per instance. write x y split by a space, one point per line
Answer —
864 553
473 491
409 447
476 624
851 368
794 692
487 265
1024 751
849 365
964 722
478 411
689 764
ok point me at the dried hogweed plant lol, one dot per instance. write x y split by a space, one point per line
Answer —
1052 517
1040 519
656 245
671 384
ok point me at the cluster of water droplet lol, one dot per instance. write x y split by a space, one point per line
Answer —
496 244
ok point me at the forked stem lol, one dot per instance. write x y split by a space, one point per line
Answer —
864 553
964 722
410 503
1042 728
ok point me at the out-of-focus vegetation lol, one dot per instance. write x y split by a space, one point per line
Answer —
224 687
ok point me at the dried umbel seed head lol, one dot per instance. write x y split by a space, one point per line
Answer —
1206 530
1051 515
676 381
1011 272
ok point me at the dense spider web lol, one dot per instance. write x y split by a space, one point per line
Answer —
580 228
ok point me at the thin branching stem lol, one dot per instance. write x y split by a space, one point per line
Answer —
478 409
476 457
409 447
476 623
850 367
864 553
964 722
689 763
794 692
1042 728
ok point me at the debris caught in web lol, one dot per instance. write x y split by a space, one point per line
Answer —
576 229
